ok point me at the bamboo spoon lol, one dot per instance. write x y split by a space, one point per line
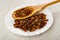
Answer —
39 8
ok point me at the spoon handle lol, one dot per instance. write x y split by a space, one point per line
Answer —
51 3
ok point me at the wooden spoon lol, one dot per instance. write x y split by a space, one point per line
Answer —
38 8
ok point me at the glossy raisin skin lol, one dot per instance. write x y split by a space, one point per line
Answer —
32 23
23 12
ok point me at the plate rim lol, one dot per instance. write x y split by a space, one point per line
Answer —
27 35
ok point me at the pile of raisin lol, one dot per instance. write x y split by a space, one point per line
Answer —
32 23
23 12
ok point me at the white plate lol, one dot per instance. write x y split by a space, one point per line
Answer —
9 21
